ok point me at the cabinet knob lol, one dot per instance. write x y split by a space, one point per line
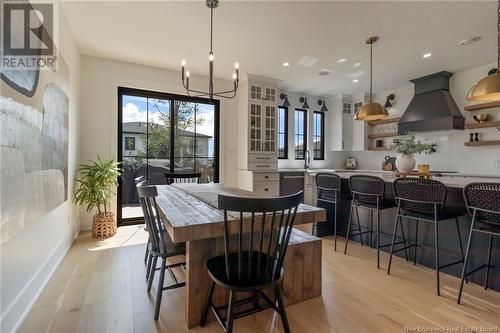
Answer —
266 177
266 189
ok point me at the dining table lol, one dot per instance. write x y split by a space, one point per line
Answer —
190 214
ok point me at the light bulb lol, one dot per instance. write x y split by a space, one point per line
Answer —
211 57
236 65
234 76
187 74
183 62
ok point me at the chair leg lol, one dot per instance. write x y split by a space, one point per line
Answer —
281 307
335 227
416 243
460 242
230 310
489 264
392 243
159 292
204 316
146 252
371 228
152 273
436 247
148 267
378 239
464 268
359 225
348 228
403 235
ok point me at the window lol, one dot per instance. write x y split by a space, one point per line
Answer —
300 133
129 143
319 136
282 132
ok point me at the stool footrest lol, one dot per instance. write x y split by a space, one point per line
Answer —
403 248
451 264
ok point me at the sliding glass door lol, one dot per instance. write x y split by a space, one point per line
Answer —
161 133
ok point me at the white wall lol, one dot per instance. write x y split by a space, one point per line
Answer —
452 155
29 259
99 128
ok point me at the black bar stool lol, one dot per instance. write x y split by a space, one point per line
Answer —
421 199
328 187
368 192
483 204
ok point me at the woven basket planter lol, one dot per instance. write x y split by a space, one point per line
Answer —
104 225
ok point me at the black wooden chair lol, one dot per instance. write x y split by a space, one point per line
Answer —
421 199
328 187
483 204
183 177
142 180
264 227
368 192
160 245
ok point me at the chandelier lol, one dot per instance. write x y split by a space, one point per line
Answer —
212 4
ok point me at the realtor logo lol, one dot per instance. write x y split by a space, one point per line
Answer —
28 29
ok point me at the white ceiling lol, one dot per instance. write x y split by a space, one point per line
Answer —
262 35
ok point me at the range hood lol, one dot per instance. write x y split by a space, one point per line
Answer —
432 108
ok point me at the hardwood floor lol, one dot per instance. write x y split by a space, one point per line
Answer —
100 287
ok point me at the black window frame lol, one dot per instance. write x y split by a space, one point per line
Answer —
172 97
321 136
285 110
304 111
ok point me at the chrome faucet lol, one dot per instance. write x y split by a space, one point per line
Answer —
307 159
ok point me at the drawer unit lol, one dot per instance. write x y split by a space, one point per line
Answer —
291 182
268 189
259 158
263 166
265 177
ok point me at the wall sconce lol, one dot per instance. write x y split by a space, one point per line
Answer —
303 100
284 97
322 103
388 100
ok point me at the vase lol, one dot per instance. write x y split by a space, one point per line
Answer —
405 163
104 225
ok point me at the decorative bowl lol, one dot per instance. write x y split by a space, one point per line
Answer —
481 118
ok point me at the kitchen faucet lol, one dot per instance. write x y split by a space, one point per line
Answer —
307 159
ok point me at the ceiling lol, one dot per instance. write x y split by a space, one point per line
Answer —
261 35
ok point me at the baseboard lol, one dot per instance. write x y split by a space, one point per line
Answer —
10 321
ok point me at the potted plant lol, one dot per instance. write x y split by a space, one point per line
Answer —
96 183
406 146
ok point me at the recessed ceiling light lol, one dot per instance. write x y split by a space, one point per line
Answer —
286 64
324 72
355 81
469 41
426 55
357 65
341 60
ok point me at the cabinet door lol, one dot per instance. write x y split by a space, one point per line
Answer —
270 94
347 117
255 127
256 92
269 128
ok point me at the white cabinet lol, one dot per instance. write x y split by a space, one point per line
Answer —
264 184
262 127
341 130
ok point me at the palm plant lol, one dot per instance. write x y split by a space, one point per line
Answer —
96 183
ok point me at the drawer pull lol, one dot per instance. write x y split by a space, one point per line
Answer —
266 177
262 158
266 189
293 177
263 166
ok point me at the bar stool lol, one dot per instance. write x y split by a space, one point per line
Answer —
483 204
328 191
368 192
421 199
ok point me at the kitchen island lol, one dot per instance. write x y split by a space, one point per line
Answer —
449 245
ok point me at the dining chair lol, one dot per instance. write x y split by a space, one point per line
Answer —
160 247
183 177
137 181
263 227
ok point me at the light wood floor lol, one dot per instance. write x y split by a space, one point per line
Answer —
100 287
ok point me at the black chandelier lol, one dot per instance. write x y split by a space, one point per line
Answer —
212 4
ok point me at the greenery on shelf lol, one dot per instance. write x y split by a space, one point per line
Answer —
96 183
408 145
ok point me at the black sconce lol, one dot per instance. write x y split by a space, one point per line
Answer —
284 97
322 103
388 100
303 100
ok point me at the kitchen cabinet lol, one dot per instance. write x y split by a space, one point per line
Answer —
291 182
342 116
262 183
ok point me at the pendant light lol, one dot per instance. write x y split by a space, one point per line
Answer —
488 88
372 110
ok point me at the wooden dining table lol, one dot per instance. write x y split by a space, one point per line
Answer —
190 214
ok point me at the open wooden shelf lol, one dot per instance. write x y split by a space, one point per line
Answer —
482 143
384 121
485 124
382 135
378 148
482 106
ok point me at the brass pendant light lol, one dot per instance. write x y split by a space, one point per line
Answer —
372 110
488 88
